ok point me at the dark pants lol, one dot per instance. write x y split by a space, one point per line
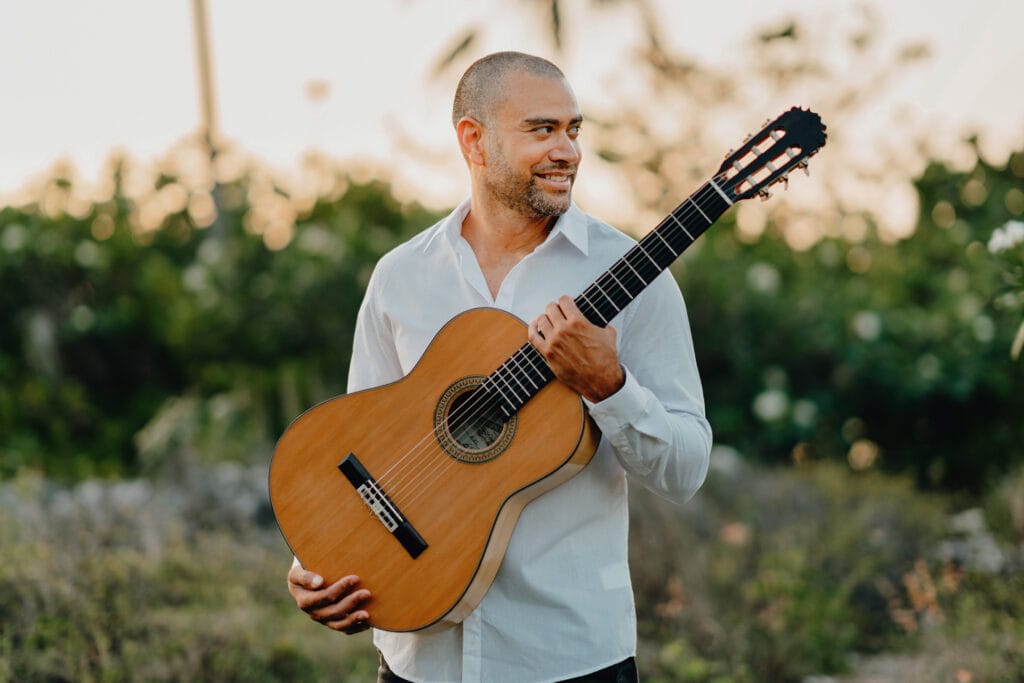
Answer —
623 672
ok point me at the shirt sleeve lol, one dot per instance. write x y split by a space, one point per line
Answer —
374 355
656 423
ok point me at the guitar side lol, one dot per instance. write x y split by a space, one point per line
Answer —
464 512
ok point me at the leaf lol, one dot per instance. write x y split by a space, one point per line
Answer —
444 62
1018 342
556 25
785 32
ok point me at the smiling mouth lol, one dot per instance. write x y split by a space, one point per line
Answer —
558 181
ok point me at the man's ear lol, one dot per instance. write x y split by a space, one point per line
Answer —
470 134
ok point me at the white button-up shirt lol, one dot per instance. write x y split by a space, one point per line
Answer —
561 604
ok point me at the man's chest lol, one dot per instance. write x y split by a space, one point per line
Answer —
426 299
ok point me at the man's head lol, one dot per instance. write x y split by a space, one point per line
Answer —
481 86
517 122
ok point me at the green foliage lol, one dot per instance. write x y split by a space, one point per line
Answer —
772 574
769 574
107 319
894 353
867 350
92 596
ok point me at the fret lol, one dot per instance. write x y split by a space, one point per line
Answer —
631 280
615 305
629 294
489 400
503 396
511 390
640 248
630 266
657 233
593 308
492 397
537 361
600 289
526 375
713 184
530 369
653 248
701 213
508 372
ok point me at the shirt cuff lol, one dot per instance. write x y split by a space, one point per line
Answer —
622 408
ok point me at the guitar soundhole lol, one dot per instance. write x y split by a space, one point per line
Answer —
469 428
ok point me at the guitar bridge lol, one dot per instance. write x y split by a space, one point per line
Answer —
383 508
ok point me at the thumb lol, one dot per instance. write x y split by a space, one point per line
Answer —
305 579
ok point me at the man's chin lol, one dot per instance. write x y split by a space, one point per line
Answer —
552 205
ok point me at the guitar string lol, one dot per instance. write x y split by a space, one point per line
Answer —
426 449
473 408
424 483
483 401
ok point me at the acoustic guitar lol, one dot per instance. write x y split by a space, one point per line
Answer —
416 486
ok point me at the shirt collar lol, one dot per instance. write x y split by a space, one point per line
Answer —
571 225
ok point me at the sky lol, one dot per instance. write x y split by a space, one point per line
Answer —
353 80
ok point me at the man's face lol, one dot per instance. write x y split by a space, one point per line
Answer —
531 144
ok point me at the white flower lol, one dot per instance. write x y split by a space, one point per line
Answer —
771 405
867 325
1006 237
764 278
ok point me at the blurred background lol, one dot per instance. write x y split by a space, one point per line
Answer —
193 195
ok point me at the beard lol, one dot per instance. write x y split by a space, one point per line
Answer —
524 195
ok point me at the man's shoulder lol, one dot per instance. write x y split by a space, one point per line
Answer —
609 243
414 249
603 235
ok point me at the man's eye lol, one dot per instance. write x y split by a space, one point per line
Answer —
543 129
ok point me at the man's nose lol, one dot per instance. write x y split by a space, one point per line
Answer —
567 149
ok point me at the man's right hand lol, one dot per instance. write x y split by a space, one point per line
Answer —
336 606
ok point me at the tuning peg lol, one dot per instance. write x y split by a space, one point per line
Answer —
785 181
805 166
765 195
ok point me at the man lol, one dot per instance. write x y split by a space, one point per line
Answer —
561 606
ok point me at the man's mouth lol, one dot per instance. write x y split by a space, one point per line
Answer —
559 180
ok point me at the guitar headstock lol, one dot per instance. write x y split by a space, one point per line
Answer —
767 157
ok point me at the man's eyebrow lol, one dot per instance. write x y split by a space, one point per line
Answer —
546 121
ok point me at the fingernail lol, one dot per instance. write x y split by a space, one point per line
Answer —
317 581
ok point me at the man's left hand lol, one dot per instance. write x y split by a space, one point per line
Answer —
581 354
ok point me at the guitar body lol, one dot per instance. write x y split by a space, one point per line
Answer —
461 499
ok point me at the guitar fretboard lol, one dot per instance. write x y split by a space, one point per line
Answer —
525 373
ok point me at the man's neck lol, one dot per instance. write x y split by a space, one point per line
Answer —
496 230
501 237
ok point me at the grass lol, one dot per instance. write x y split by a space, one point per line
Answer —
767 575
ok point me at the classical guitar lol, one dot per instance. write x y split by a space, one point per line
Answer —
416 486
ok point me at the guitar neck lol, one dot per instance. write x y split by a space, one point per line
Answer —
630 275
525 373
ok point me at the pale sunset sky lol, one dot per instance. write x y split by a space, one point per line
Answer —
82 78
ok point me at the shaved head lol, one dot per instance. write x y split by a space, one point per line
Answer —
481 85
